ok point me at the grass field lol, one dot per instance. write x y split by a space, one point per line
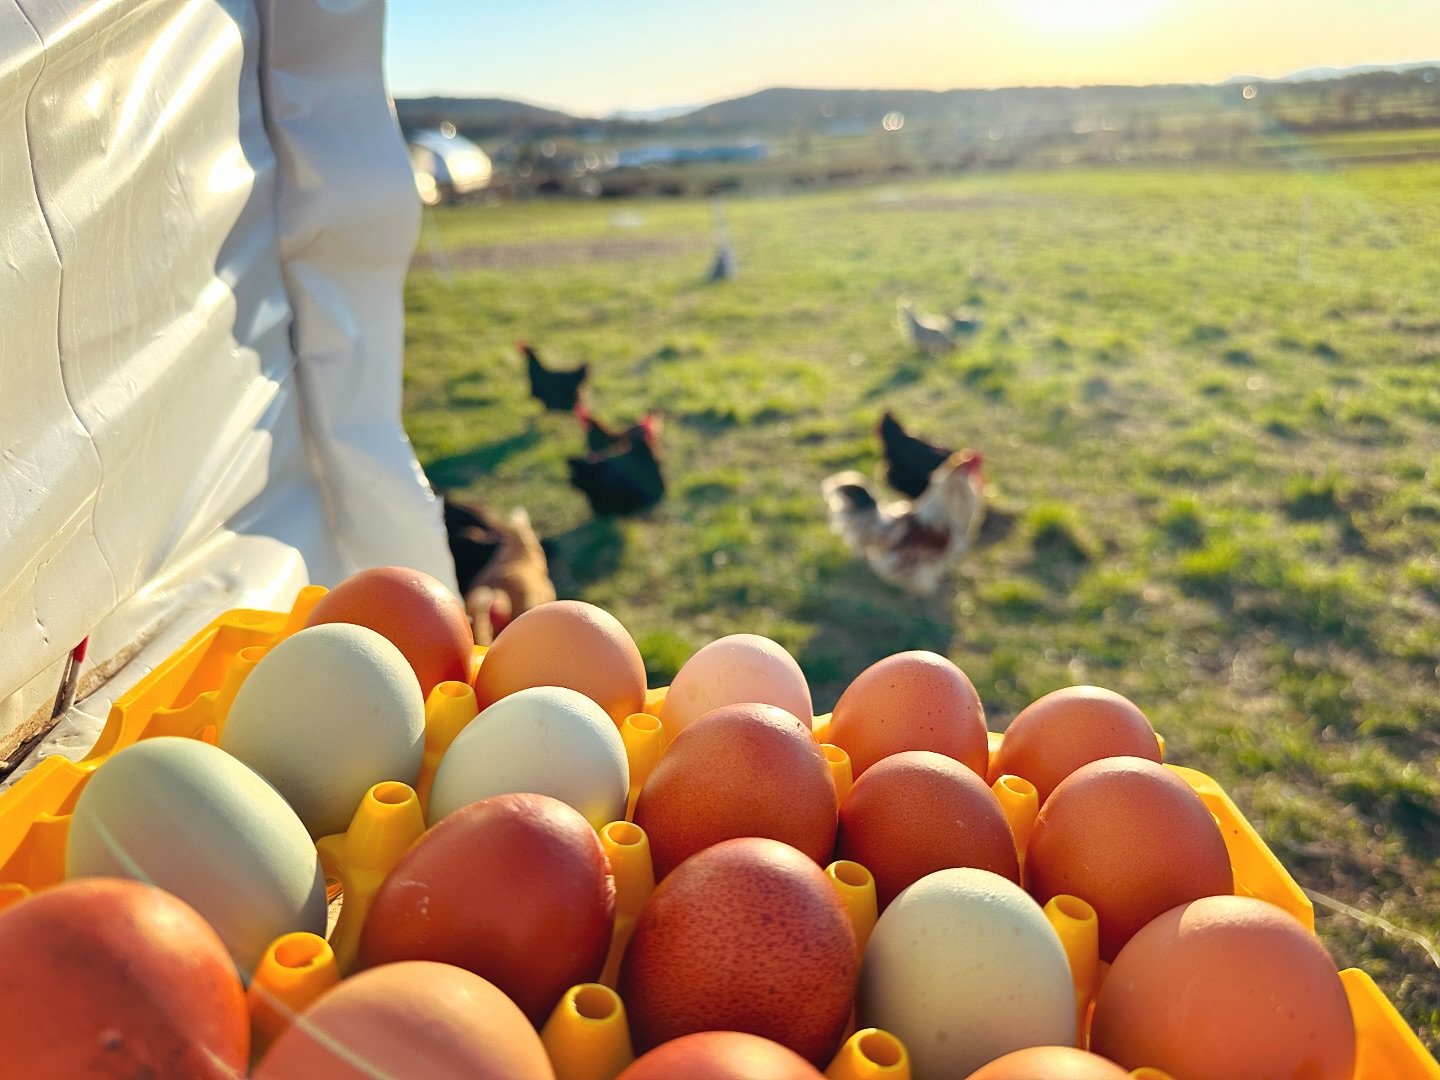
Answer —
1210 400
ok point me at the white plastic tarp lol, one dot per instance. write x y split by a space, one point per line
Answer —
207 215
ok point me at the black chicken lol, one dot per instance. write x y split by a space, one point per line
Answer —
909 461
600 439
558 390
625 478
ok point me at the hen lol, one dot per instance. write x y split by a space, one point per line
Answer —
599 438
924 332
499 563
909 460
724 267
625 478
557 389
911 544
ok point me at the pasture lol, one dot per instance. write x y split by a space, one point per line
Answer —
1209 403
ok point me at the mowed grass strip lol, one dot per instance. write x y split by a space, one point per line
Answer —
1209 403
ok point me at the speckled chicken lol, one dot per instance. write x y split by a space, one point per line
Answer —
911 544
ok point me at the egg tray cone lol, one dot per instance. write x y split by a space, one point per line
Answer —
188 696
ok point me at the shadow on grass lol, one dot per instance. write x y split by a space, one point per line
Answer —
587 553
461 470
847 594
905 374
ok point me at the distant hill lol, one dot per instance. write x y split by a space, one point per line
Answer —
784 111
485 115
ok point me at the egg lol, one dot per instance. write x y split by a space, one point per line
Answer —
411 609
911 701
1225 987
731 670
1056 734
1132 840
741 770
1050 1063
324 716
917 812
188 817
515 888
721 1055
544 739
571 644
748 936
410 1019
963 968
117 978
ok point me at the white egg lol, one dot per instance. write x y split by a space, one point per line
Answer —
734 670
180 814
324 716
545 740
963 967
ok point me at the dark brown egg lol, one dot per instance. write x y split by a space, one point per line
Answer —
917 812
515 888
740 770
748 936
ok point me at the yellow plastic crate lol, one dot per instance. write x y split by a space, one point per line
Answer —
188 694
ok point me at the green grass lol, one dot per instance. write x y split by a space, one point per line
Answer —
1208 402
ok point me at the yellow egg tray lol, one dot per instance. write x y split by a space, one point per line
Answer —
188 696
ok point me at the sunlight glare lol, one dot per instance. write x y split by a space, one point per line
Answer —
1087 16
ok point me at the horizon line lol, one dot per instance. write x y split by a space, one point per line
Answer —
1340 72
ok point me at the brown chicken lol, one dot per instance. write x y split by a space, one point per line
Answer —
499 563
911 544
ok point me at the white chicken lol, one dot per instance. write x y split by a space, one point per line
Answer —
911 544
924 331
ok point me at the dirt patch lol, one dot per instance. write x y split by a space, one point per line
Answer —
553 253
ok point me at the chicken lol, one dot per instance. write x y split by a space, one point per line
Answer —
724 266
500 565
923 331
558 390
624 479
911 544
909 460
599 438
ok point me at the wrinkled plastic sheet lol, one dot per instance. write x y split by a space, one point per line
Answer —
208 212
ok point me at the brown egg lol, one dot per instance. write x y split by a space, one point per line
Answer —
1050 1063
515 888
721 1055
911 701
102 977
1131 839
571 644
746 936
740 770
410 1019
917 812
419 616
1226 987
1056 734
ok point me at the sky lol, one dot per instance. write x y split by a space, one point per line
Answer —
590 57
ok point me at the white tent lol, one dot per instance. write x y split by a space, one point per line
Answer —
208 212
